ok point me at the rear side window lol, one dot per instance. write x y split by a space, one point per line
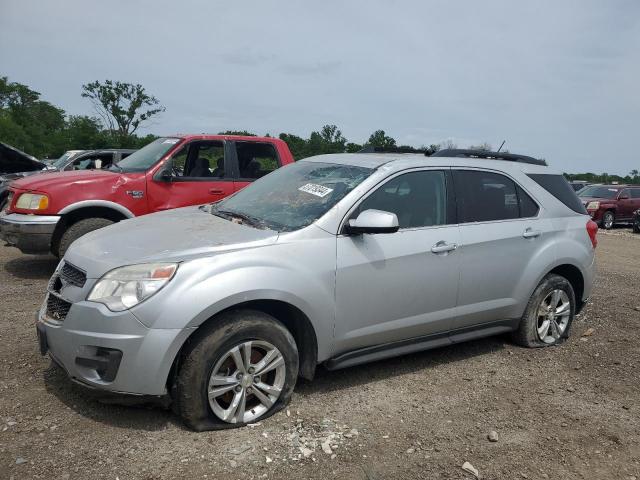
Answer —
255 160
558 186
486 196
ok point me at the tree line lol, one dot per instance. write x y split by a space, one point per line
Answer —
46 131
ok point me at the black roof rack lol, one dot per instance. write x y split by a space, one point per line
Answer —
511 157
373 149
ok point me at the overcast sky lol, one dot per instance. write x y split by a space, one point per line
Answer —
557 79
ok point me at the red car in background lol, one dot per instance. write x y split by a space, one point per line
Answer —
611 204
48 212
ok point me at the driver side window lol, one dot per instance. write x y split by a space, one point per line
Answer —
199 160
419 199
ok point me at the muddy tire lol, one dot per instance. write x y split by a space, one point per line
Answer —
549 314
239 369
77 230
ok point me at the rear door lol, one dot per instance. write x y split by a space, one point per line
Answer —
199 174
253 160
403 285
500 233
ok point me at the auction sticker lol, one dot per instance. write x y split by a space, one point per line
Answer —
315 189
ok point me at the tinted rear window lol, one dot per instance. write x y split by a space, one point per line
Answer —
558 186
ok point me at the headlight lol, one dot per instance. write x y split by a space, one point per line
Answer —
125 287
593 205
32 201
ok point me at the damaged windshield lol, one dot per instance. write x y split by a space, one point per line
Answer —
292 197
141 160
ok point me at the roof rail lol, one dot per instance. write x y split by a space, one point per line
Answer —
374 149
511 157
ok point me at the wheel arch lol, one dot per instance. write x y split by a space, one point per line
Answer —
294 320
575 277
83 210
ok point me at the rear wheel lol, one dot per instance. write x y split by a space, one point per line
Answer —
549 314
240 369
608 219
77 230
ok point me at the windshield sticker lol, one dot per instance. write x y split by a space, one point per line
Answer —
315 189
171 140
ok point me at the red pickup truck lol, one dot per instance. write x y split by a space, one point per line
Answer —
48 212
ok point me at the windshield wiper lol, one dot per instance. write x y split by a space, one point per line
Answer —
248 219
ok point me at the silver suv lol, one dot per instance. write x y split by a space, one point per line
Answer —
336 260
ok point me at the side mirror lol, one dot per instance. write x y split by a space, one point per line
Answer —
164 176
372 221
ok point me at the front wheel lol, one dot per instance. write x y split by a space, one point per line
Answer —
77 230
239 369
636 224
608 219
549 313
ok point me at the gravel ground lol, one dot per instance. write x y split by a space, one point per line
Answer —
566 412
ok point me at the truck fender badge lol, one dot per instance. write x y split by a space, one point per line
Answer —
135 193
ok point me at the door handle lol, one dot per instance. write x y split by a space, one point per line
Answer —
216 191
529 233
443 247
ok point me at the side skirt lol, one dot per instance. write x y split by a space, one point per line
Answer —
418 344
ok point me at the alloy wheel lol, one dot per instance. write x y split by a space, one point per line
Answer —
608 220
246 381
553 316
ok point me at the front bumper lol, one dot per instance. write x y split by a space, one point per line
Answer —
29 233
110 351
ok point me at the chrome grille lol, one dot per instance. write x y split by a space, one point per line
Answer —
73 275
57 308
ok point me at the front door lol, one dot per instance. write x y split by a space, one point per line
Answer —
403 285
200 173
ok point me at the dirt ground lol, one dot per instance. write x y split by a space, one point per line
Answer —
559 413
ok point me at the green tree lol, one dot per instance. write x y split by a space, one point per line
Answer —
353 147
297 145
238 132
122 106
380 139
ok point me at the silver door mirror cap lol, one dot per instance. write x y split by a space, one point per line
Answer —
373 221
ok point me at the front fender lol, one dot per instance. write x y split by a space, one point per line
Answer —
205 287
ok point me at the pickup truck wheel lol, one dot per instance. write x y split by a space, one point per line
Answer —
77 230
636 225
549 314
239 369
608 219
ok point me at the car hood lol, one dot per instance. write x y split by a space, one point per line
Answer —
54 179
13 160
9 177
171 236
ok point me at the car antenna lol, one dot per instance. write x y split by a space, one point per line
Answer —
501 145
